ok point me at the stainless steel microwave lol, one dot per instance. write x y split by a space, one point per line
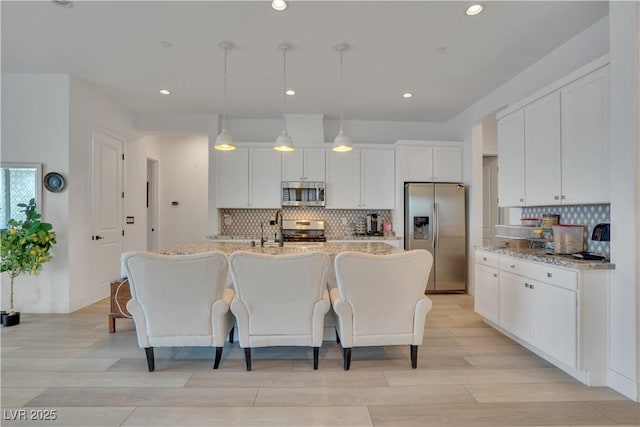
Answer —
302 193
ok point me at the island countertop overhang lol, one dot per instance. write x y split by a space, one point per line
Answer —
331 248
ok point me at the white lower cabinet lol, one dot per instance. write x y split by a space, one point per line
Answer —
554 321
487 286
557 312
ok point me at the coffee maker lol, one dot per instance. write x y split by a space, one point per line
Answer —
374 224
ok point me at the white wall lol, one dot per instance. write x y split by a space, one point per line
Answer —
624 139
183 169
35 129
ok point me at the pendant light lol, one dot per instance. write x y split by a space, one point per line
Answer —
342 142
224 141
284 141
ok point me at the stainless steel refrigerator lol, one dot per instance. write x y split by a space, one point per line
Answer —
435 220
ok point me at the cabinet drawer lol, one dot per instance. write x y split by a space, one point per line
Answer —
487 258
566 279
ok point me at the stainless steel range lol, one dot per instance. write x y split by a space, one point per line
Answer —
297 230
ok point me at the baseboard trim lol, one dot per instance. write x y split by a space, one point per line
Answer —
623 385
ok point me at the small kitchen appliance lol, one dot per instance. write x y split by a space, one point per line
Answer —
374 224
303 193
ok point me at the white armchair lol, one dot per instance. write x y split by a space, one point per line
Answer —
379 300
280 300
179 300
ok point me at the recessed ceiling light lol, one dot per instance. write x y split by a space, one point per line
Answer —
64 3
441 50
290 92
165 44
165 92
474 9
407 95
279 5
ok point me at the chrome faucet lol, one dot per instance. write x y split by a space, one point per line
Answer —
278 221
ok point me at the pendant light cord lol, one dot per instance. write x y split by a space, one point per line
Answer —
284 90
224 95
341 91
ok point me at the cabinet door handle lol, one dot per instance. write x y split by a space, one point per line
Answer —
563 197
495 274
530 286
512 266
549 275
526 285
484 258
522 200
556 197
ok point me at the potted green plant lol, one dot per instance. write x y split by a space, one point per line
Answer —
25 248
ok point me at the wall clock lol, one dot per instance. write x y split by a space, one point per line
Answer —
54 182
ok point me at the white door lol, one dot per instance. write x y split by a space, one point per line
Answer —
107 195
152 204
511 159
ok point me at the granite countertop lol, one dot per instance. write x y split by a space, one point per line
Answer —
329 238
541 255
330 248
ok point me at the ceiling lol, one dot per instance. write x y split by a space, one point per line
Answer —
393 49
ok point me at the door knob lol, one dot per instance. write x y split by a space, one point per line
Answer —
99 237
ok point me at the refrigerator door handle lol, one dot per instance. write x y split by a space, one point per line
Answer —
436 226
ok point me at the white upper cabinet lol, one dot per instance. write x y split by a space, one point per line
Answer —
430 163
556 147
362 178
447 164
304 164
419 164
377 179
233 178
264 178
542 151
248 178
511 159
585 136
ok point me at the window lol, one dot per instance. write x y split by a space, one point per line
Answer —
19 183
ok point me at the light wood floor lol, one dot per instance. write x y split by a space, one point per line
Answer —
468 375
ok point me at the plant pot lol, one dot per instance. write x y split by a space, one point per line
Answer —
10 319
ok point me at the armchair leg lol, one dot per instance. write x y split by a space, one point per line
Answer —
316 351
216 362
346 358
231 334
337 337
414 356
150 360
247 357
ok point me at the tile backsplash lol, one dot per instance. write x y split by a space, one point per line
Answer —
588 215
339 223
